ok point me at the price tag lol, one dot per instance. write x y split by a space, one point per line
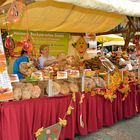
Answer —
85 70
73 74
37 76
62 75
89 73
13 78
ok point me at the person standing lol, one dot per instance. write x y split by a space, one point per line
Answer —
45 59
22 58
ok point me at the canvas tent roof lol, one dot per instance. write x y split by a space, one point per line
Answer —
2 1
49 15
123 7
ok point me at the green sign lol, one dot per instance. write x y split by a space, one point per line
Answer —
57 42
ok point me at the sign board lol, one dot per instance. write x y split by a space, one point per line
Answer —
73 74
5 84
37 76
62 75
14 78
57 42
88 73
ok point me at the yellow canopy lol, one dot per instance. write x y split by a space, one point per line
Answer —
108 38
64 17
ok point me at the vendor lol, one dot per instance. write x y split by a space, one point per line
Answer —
125 62
99 53
132 56
22 58
45 59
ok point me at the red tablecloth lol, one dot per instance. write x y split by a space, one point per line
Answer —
138 100
138 97
129 105
19 120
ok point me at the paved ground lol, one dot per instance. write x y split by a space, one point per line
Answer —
128 129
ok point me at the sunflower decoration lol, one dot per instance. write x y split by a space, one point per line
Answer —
27 44
124 89
81 46
115 80
109 94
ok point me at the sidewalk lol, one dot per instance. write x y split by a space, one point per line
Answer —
128 129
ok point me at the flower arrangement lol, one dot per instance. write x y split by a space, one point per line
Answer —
110 95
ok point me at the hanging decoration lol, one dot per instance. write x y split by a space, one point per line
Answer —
27 44
49 133
13 15
53 132
31 51
81 115
8 42
10 45
15 11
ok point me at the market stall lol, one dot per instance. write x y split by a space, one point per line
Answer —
96 111
54 16
55 91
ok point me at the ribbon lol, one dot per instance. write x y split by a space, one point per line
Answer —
38 132
69 111
62 122
82 98
73 97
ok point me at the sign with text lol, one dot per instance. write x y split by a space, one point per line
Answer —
14 78
5 84
62 75
73 73
57 42
88 73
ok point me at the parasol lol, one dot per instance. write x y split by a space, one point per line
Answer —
115 43
110 37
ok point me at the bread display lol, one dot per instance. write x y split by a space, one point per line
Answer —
26 91
56 88
64 88
17 93
89 84
73 87
36 92
27 68
99 82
